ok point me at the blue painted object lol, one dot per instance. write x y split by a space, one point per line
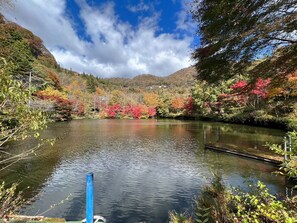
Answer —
90 198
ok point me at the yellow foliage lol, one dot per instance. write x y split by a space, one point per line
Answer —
274 92
76 88
54 93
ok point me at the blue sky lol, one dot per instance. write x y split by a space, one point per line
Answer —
120 38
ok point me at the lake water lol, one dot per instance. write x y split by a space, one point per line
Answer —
142 168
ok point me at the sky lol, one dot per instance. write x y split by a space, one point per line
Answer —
120 38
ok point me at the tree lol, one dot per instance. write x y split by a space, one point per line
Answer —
17 122
151 99
236 33
16 117
164 106
189 105
177 104
91 85
117 97
62 106
21 58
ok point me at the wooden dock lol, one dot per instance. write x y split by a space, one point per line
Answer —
242 154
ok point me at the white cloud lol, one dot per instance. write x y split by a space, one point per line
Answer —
116 48
140 7
184 21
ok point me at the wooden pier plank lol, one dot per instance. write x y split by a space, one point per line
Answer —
246 155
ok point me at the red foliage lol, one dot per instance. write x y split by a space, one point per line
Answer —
189 105
240 85
113 110
152 112
126 110
136 112
242 92
81 109
260 87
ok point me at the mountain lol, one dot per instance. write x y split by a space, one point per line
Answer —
22 47
182 78
65 93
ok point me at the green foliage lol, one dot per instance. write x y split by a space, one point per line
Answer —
207 98
219 204
211 206
164 106
20 59
288 167
91 84
202 214
259 205
16 117
17 122
236 33
179 218
10 200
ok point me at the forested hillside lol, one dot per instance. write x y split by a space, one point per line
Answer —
262 92
65 94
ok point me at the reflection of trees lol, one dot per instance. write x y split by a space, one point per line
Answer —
32 172
240 135
139 165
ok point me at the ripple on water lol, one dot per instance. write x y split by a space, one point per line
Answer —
142 169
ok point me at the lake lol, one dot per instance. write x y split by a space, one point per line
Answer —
142 168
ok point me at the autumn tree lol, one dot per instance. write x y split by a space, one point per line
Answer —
177 104
236 33
62 106
76 93
18 121
117 97
99 91
151 99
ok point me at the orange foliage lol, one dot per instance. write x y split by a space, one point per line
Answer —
292 78
144 109
100 92
62 105
177 103
151 99
55 78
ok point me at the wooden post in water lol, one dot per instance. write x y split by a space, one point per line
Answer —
290 146
285 147
218 135
90 198
204 136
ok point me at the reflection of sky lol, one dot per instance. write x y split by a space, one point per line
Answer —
142 170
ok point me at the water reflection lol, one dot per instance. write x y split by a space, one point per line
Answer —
142 168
